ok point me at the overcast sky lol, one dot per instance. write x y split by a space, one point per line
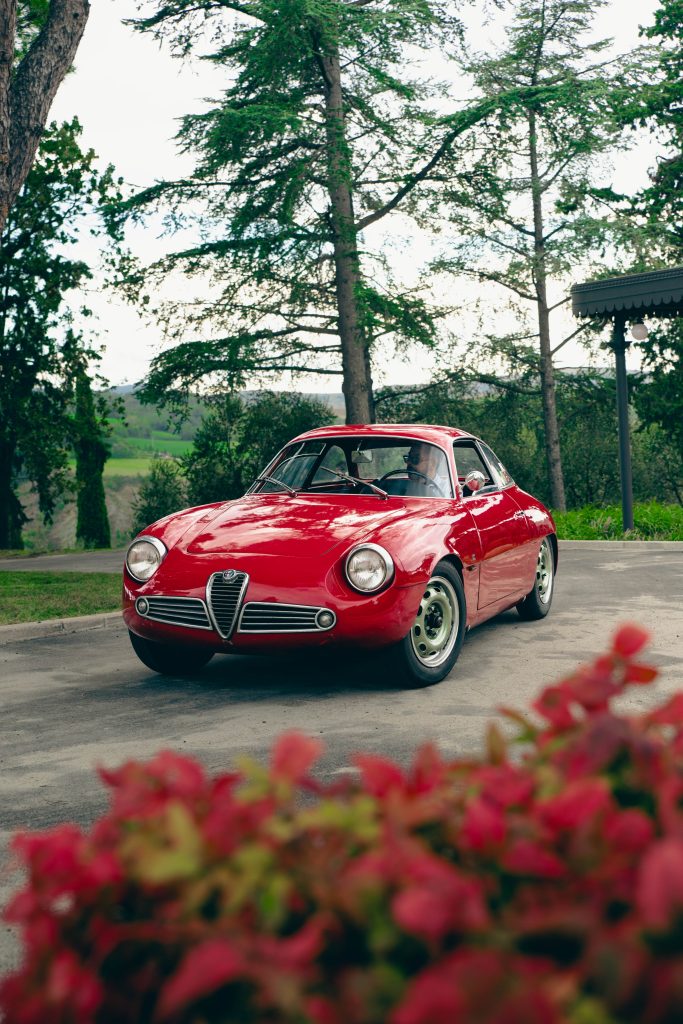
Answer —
128 92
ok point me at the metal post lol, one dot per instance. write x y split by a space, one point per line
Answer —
619 344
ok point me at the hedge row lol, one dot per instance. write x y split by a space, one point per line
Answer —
541 882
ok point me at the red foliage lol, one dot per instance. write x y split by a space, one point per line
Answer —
542 882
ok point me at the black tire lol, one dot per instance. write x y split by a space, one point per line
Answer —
412 665
536 604
170 659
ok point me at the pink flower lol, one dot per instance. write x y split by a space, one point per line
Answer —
293 756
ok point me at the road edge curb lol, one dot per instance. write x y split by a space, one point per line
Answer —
56 627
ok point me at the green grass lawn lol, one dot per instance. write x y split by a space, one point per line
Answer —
651 520
28 596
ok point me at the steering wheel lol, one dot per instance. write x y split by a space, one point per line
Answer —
413 472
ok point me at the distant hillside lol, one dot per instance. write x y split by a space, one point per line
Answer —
142 434
145 432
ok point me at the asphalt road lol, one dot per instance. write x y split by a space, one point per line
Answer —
77 561
72 701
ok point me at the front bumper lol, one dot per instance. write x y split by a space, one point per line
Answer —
274 595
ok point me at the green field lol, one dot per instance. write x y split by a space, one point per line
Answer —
160 441
31 596
128 467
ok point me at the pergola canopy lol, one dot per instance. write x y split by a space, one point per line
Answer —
657 293
629 297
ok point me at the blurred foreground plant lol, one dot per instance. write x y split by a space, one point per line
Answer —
541 882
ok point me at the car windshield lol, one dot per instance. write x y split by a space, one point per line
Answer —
343 465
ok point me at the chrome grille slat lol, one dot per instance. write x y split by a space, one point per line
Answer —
178 611
224 597
271 617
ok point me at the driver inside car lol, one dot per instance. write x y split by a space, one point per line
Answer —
427 471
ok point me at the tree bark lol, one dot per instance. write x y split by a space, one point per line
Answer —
552 434
8 28
357 383
26 96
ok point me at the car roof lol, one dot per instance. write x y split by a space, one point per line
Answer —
411 431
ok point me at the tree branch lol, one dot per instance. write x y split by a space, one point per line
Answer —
569 337
468 120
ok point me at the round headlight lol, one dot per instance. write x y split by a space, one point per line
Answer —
144 557
368 568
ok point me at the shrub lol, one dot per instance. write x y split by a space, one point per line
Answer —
651 521
542 882
161 493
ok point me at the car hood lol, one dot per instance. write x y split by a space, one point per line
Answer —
309 526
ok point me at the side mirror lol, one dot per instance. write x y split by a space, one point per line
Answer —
475 481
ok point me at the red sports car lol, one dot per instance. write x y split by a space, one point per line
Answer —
399 537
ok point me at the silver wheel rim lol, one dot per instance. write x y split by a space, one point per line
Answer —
544 573
436 625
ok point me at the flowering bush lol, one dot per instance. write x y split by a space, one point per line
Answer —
540 883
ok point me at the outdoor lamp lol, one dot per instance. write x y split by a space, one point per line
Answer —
639 331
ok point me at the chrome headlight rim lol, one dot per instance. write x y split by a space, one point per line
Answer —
159 547
388 566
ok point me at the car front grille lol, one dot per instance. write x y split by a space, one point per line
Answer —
177 611
269 617
224 593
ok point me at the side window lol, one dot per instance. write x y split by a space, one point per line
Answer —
467 459
503 478
334 460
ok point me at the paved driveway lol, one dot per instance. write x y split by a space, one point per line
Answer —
71 701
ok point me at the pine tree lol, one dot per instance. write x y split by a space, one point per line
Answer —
322 132
88 431
38 269
529 205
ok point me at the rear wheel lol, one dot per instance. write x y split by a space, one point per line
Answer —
536 604
431 648
169 659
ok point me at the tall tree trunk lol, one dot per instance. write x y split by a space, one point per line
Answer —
27 94
552 434
357 384
8 26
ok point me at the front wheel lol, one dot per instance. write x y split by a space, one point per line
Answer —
431 648
169 659
536 604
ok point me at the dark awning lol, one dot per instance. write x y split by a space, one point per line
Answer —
657 293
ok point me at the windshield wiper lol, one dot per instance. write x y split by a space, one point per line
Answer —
356 482
273 480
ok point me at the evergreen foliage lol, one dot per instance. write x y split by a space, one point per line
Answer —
89 440
662 201
238 439
37 350
659 397
508 415
161 493
322 131
528 207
